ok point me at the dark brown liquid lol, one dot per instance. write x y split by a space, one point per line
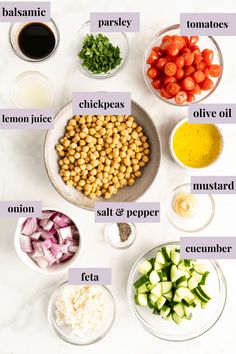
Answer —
36 40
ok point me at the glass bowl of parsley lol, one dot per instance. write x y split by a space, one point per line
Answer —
100 55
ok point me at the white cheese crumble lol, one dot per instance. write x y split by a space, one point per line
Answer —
80 306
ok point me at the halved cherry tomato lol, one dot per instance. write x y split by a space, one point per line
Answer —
206 72
157 83
185 50
193 40
188 59
207 84
168 79
186 40
178 41
153 57
172 88
190 98
197 58
164 93
208 55
179 74
170 69
189 70
181 97
166 38
165 43
201 66
198 76
172 50
188 83
215 70
196 90
179 61
152 73
195 49
161 63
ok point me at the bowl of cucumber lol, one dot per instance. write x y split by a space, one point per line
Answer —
174 299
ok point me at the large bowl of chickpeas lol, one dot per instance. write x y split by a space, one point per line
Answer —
98 158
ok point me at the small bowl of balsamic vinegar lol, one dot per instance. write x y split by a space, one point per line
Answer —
34 41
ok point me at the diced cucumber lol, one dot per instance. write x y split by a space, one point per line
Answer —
150 286
166 253
160 257
174 273
181 265
188 313
176 318
192 283
168 318
156 311
158 265
154 277
141 299
181 280
182 292
142 289
199 295
199 268
165 311
175 257
204 305
160 274
197 276
157 290
189 298
203 291
179 309
177 298
188 263
204 277
166 287
166 274
153 299
196 302
160 302
145 267
168 295
142 280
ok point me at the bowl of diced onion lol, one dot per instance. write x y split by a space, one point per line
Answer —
49 244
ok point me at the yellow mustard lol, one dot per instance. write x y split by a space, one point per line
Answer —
184 204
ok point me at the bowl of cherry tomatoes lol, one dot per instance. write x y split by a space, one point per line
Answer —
182 69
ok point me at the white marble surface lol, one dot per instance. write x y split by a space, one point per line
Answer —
23 293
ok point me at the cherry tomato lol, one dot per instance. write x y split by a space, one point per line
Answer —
181 97
178 41
196 90
186 40
161 63
172 88
207 84
188 58
188 83
168 79
164 45
172 49
152 73
185 50
195 49
164 93
170 69
190 98
206 72
198 76
193 40
201 66
179 61
157 84
197 58
208 55
153 57
215 70
166 38
189 70
179 74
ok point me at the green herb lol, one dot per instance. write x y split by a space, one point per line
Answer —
98 54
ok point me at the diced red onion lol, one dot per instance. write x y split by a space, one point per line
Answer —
73 249
46 224
65 232
26 244
29 226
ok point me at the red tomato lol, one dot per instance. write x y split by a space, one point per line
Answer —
172 88
185 50
195 49
168 79
165 43
207 84
188 83
178 41
166 38
152 73
164 93
186 40
201 66
172 50
190 98
198 76
208 55
179 61
153 57
189 70
170 69
181 97
197 58
188 58
179 74
161 63
193 40
206 72
215 70
196 90
157 83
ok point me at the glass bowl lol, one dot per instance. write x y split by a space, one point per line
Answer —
112 236
116 38
14 32
202 320
205 210
90 336
204 42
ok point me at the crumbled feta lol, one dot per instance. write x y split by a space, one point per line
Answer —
80 306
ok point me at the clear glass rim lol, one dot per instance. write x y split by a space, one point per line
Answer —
147 50
100 76
149 328
23 57
66 339
207 223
